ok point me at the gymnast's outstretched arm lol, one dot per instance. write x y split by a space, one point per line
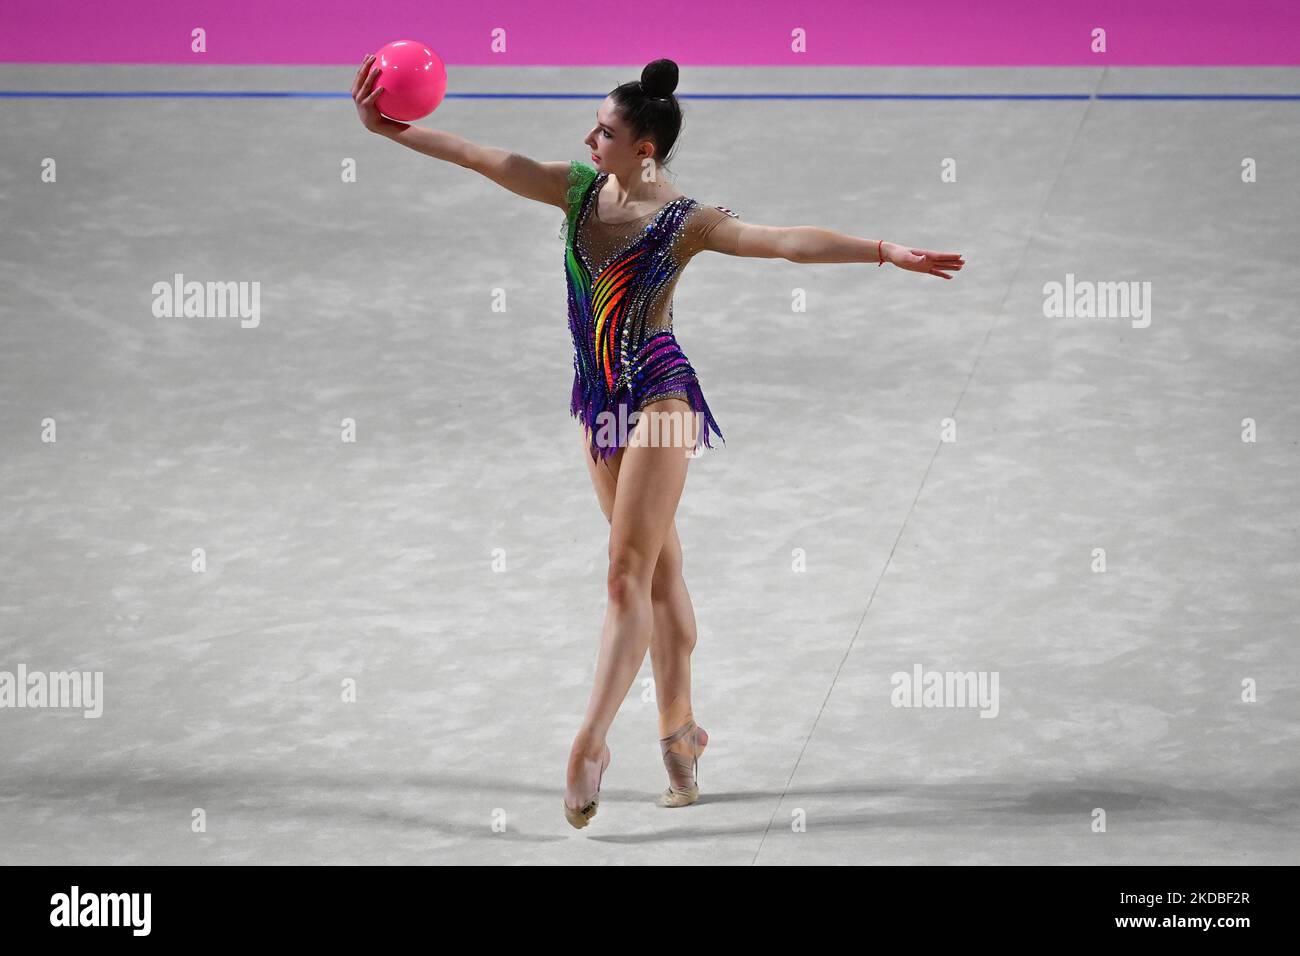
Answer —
544 182
734 237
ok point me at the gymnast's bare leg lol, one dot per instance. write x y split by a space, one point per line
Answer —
620 483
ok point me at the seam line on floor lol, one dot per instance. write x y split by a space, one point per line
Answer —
997 315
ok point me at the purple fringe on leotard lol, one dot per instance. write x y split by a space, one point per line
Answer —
586 404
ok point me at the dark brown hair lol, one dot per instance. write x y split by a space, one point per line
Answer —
649 107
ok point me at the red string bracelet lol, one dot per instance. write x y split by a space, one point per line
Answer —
880 244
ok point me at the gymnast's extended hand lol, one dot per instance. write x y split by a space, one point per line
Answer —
364 92
922 260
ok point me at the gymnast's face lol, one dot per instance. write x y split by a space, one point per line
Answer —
610 142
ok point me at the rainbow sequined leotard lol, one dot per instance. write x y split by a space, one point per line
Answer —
621 278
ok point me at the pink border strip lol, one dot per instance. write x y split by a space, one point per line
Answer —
694 32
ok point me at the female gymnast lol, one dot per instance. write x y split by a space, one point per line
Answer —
628 236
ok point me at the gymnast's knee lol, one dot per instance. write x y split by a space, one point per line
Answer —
629 576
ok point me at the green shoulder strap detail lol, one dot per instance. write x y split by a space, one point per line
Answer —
580 177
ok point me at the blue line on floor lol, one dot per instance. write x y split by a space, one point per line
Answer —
1198 96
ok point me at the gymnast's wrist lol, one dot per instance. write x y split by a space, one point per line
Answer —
390 128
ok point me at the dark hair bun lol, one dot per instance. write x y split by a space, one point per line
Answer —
659 78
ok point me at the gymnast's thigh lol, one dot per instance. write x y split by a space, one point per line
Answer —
604 474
